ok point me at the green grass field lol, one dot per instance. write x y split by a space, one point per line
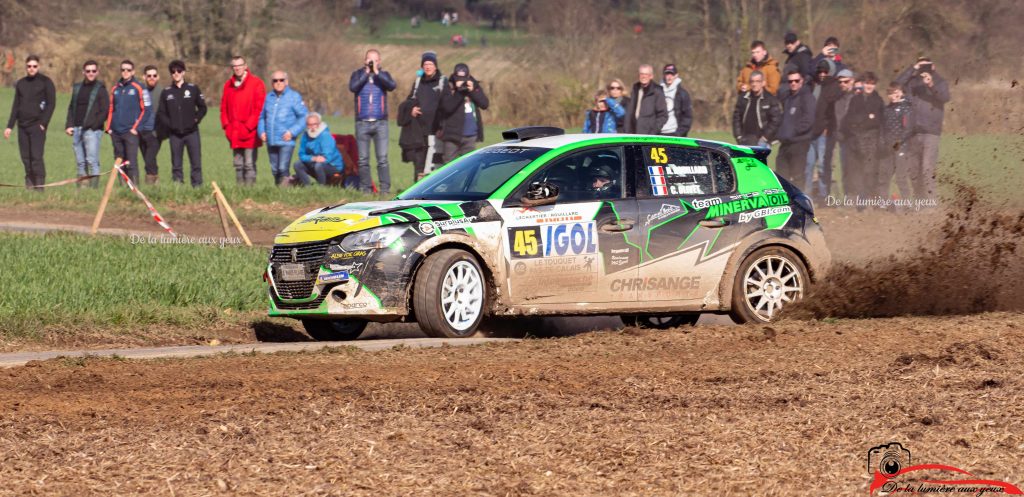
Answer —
75 282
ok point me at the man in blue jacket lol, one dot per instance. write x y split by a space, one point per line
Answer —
370 85
318 152
128 104
797 125
281 122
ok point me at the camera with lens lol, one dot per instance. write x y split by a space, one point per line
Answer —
370 65
888 459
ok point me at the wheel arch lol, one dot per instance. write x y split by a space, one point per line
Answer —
772 238
453 243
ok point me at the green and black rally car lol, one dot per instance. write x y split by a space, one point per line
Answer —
655 229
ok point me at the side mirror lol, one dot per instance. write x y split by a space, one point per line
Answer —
540 193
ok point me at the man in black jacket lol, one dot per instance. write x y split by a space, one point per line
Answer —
647 112
826 91
928 93
798 57
182 107
416 115
862 127
459 114
87 116
34 100
795 131
758 114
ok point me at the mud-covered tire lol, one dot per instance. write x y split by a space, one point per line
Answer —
450 294
647 321
332 330
767 280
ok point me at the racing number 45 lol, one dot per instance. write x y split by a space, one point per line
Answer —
525 241
658 155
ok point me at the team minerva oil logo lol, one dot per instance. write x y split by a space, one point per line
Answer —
746 204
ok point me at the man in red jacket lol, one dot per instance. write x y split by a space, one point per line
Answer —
240 108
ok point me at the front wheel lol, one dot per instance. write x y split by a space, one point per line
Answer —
449 294
647 321
334 330
767 280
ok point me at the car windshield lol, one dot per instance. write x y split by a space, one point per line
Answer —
474 177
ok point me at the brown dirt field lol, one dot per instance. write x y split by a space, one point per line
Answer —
786 409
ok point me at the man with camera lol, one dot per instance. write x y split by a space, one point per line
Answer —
830 51
459 114
928 93
370 85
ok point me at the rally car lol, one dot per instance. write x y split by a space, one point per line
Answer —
654 229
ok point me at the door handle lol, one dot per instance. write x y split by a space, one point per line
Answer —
622 225
714 223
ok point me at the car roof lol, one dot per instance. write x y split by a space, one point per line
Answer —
557 141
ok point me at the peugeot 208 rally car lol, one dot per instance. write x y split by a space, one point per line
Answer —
654 229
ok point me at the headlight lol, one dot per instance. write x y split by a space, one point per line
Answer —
372 239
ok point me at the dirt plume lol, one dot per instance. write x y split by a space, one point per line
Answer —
969 263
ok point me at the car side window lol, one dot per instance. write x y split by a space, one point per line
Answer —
592 174
677 171
725 177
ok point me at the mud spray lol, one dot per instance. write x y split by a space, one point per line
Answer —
973 261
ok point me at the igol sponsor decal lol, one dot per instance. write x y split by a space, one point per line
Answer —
768 211
553 240
655 284
748 204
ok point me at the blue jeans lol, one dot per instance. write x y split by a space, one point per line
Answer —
815 159
280 160
319 170
86 143
378 132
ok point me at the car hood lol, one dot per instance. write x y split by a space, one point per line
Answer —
329 222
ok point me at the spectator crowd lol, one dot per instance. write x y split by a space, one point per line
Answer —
811 105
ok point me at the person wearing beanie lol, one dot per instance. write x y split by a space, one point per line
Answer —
825 90
370 85
459 114
182 107
417 114
798 56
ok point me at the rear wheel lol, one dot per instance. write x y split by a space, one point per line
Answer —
648 321
767 280
449 294
326 330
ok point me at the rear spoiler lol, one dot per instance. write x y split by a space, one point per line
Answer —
762 153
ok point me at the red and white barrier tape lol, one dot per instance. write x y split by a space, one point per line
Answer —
152 210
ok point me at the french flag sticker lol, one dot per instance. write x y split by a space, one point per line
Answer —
659 190
658 180
656 170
